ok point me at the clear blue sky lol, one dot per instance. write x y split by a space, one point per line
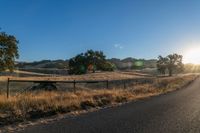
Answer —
60 29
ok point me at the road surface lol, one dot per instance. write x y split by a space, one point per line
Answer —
176 112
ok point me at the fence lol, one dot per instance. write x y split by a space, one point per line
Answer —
106 83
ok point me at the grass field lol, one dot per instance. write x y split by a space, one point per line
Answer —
91 76
33 105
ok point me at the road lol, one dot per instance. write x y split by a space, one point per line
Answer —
175 112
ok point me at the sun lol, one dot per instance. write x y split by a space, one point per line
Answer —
192 56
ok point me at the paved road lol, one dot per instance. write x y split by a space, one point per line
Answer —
176 112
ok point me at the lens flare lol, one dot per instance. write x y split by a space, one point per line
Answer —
192 56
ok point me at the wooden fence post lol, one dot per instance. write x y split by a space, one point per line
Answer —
107 84
124 84
74 86
8 88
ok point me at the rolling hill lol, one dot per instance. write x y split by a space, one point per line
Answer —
121 64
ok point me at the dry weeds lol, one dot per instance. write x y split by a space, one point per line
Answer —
41 104
89 76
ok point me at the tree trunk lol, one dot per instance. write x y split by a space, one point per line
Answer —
94 68
170 72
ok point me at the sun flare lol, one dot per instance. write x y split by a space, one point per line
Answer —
192 56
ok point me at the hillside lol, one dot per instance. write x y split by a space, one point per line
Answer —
132 63
121 64
58 64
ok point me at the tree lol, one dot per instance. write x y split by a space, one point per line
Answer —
78 65
172 63
90 60
94 58
161 64
8 51
107 66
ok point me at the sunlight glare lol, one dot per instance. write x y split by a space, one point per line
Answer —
192 56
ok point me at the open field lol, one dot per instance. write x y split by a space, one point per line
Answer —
91 76
33 105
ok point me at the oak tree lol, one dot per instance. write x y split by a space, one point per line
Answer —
8 51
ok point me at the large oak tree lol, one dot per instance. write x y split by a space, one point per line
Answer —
172 63
89 61
8 51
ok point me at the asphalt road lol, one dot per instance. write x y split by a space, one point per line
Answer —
176 112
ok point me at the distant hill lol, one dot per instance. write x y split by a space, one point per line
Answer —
121 64
132 63
54 64
60 67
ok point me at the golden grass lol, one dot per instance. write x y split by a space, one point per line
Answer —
41 104
118 75
89 76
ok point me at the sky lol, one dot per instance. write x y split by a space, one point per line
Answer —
60 29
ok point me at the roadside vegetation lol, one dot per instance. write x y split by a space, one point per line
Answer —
33 105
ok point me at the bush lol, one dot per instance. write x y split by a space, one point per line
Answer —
107 66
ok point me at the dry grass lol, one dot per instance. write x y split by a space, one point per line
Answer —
90 76
41 104
118 75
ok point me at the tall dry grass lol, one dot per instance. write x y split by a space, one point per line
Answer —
41 104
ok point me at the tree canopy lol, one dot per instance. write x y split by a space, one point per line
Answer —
172 63
8 51
89 61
